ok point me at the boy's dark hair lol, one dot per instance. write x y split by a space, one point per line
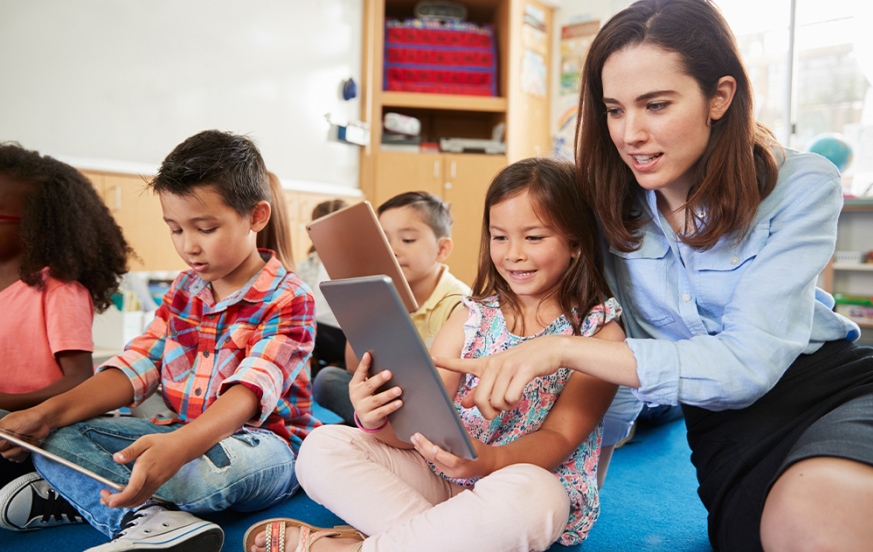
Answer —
230 162
433 210
65 226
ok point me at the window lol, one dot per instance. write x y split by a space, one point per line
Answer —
827 88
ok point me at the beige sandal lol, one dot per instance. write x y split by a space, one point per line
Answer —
275 531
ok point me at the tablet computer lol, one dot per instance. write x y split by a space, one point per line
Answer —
36 449
351 243
371 314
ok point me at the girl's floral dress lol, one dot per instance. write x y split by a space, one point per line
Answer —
486 334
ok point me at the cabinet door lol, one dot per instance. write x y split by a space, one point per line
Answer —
398 172
467 177
138 213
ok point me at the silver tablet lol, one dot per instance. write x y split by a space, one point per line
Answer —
36 449
372 315
41 451
351 243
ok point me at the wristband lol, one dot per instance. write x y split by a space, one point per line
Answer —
364 429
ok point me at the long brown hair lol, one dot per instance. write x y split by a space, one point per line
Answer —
551 186
737 170
276 235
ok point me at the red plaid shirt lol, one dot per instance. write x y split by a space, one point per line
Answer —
261 337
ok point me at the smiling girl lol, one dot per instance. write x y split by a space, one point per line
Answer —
534 481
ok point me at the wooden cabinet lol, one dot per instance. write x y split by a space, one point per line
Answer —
460 179
138 212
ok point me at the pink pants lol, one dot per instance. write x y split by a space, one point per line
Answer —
393 496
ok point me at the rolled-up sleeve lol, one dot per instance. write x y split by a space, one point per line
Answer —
736 316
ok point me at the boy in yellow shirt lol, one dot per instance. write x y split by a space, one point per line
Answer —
418 226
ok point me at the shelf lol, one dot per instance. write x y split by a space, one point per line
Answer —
858 204
860 267
444 102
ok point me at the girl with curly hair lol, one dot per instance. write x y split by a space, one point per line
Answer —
61 258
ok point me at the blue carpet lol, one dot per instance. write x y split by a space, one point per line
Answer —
649 504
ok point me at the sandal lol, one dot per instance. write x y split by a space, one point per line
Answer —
275 530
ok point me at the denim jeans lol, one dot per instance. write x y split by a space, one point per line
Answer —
250 470
330 389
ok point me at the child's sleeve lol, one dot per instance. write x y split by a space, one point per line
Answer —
69 316
600 315
278 353
141 359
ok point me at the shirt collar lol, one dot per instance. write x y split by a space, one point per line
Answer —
259 288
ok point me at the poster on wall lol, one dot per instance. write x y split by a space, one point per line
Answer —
533 74
534 30
575 40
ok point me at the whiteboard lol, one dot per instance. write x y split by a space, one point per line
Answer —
128 80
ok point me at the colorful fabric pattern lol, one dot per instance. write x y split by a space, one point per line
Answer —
261 337
486 334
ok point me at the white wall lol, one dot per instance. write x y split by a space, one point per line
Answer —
117 82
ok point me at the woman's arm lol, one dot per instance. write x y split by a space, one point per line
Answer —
580 407
503 377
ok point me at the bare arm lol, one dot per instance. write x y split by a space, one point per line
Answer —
77 366
159 456
577 411
108 390
502 377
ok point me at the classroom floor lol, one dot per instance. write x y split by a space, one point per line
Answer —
648 504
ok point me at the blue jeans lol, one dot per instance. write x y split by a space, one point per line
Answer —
620 416
250 470
330 389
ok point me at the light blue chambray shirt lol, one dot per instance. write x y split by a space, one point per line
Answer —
718 328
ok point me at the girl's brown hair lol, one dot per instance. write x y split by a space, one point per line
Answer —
551 186
738 169
276 235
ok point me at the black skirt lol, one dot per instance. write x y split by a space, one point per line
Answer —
822 406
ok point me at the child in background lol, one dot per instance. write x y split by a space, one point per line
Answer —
228 346
276 235
57 265
534 481
330 341
418 226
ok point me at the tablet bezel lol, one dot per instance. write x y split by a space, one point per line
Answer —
371 314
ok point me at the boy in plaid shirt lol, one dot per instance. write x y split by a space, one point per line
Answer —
228 347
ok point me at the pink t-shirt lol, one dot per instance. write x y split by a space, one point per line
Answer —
35 325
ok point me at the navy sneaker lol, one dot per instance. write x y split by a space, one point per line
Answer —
29 503
155 527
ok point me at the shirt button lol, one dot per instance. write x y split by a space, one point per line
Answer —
686 297
206 354
198 391
735 260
